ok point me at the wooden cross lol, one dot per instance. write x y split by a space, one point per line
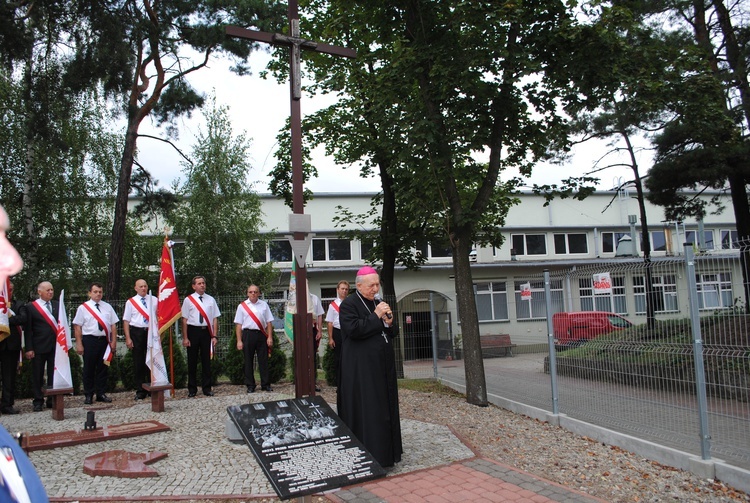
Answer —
303 344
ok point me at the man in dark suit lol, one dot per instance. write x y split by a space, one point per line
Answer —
41 337
10 353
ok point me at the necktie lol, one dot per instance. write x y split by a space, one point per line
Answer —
143 301
49 308
99 324
200 316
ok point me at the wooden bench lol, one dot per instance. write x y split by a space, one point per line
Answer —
492 344
58 401
157 395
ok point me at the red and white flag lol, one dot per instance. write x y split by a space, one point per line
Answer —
62 377
155 353
4 309
168 310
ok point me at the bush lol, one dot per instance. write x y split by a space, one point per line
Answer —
277 363
180 359
329 365
235 363
113 374
23 381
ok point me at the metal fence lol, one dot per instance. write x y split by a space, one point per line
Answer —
679 378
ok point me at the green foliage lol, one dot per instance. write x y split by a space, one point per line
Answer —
277 363
113 374
329 366
180 358
235 361
219 217
23 381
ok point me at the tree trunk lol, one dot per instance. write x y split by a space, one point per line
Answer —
476 387
390 245
114 274
31 255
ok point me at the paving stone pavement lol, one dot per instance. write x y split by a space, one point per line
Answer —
201 463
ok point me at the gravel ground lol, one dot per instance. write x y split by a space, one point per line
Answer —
537 447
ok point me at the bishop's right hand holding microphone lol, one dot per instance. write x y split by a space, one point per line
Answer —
383 310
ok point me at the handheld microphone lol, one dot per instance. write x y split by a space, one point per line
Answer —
379 300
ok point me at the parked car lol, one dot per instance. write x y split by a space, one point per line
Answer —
574 329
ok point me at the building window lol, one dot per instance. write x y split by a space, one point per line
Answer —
492 301
280 250
691 237
665 294
591 302
435 250
366 246
536 308
324 249
729 240
714 290
610 241
658 241
571 244
528 244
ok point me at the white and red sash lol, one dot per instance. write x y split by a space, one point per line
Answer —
209 321
335 306
45 314
139 308
108 353
254 317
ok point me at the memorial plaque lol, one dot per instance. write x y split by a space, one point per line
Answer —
302 446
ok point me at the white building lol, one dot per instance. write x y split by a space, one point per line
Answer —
573 239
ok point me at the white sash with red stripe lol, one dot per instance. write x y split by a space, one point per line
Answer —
254 317
335 306
45 314
209 321
108 353
139 308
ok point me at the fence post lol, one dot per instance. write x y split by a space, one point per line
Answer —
700 374
434 338
551 341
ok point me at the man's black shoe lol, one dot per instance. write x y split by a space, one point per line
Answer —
317 388
251 389
89 400
191 394
49 402
208 393
140 396
9 410
103 398
267 388
38 407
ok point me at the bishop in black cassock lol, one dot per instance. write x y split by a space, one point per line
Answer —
368 391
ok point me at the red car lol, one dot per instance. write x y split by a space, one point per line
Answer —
573 329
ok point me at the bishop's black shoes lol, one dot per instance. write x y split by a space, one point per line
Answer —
103 398
89 400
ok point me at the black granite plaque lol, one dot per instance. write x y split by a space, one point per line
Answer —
303 446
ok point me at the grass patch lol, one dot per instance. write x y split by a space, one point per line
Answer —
427 386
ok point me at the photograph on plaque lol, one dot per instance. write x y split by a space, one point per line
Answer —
303 446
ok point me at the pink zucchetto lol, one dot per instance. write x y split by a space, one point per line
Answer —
366 270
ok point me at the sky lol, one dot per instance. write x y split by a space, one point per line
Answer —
259 108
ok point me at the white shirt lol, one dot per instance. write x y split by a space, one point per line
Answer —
332 316
317 306
87 322
260 309
133 316
192 315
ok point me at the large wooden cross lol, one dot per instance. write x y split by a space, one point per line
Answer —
304 361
